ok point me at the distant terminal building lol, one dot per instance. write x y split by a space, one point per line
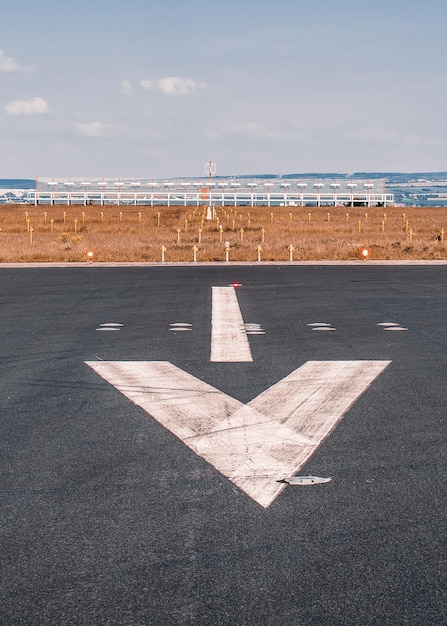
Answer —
219 191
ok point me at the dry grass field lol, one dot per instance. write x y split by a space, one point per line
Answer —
129 233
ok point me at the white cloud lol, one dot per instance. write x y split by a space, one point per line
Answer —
174 86
373 133
98 129
385 135
416 140
7 64
36 106
255 130
126 88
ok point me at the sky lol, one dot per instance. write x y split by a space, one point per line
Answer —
158 88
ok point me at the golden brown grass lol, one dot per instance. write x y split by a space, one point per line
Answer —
128 233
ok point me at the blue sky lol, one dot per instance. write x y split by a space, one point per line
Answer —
156 88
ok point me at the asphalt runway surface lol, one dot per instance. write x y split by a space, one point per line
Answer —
109 518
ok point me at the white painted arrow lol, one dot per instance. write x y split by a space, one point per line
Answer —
253 444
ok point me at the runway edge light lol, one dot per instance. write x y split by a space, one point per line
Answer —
365 253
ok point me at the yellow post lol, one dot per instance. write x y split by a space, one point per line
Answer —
83 217
227 250
234 222
290 249
158 218
76 225
102 216
200 235
328 217
242 234
51 225
163 250
410 234
45 217
178 235
31 230
262 235
360 226
220 233
65 217
383 226
139 216
442 235
290 217
271 217
347 217
309 216
259 249
366 217
121 216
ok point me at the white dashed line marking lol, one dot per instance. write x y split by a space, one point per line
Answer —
180 327
320 326
395 328
391 326
111 326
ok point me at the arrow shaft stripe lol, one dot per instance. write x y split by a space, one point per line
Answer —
229 341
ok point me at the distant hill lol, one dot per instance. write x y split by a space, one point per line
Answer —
17 183
396 177
402 177
390 177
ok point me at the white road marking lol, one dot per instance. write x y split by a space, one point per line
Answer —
320 326
254 329
256 444
110 328
229 342
391 326
395 328
323 328
180 327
